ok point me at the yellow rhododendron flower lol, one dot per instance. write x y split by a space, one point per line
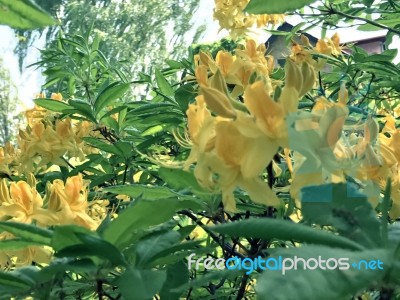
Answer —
230 15
69 202
22 203
329 46
269 115
229 152
56 96
322 136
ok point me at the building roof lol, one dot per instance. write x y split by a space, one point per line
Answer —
288 27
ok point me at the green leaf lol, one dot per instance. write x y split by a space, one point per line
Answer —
177 275
179 251
153 130
103 146
284 230
16 244
23 14
174 64
387 22
140 284
109 94
163 84
368 3
53 105
185 231
93 246
387 55
66 235
154 244
84 109
181 180
184 95
27 273
60 265
275 6
124 148
28 232
326 284
10 282
343 207
141 214
112 111
143 191
213 276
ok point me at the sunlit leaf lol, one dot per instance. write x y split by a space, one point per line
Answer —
275 6
23 14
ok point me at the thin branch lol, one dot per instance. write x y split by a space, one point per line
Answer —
331 10
227 247
242 289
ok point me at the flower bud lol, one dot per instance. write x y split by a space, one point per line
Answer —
218 102
308 79
56 96
293 78
305 40
343 94
217 82
371 130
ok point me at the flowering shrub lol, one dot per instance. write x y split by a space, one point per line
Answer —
238 160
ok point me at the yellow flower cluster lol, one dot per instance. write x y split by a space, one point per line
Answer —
45 140
305 51
329 46
63 204
386 163
359 151
230 16
242 117
233 142
37 113
235 69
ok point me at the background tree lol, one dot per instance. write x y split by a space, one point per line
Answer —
139 32
8 106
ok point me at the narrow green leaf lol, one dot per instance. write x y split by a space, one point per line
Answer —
93 246
23 14
10 280
152 245
84 109
275 6
143 191
66 235
163 84
102 145
16 244
387 22
109 94
53 105
210 276
177 275
329 284
284 230
181 180
140 284
184 95
345 208
28 232
153 130
141 214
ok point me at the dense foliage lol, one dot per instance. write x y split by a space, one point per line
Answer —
228 156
